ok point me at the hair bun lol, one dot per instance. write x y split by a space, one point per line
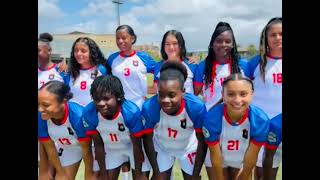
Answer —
46 36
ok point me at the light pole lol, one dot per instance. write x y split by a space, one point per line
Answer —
118 2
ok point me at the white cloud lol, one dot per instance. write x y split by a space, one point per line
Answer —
136 1
196 19
98 8
49 9
87 27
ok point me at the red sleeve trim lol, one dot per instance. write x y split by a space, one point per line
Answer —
91 132
257 143
198 83
271 147
84 139
138 134
210 144
147 131
198 130
44 139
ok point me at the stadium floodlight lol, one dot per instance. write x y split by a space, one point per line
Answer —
118 2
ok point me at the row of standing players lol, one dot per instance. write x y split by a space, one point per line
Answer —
175 124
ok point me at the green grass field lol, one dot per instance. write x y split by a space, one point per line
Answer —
176 168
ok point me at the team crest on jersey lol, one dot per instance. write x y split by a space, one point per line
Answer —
51 76
272 137
60 152
143 120
245 133
70 131
183 123
135 63
85 124
121 127
93 75
205 132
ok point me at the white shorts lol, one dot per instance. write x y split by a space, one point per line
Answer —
277 158
166 159
115 158
69 155
207 160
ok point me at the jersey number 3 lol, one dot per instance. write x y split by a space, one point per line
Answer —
126 71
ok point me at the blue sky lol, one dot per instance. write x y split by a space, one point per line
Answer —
150 19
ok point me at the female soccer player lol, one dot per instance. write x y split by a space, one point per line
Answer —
235 130
173 121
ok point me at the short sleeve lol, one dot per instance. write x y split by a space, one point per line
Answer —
150 114
102 69
259 125
157 71
43 134
212 125
198 76
243 64
90 119
196 109
132 118
111 58
192 67
75 115
252 65
275 133
147 61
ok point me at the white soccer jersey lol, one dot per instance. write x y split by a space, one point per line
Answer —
169 134
67 135
213 93
117 136
188 84
234 141
46 75
234 138
174 133
81 87
268 94
132 72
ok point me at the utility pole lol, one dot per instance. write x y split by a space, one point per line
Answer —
118 2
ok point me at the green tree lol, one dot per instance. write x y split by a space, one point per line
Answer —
202 55
252 50
155 57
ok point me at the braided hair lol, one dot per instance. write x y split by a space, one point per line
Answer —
220 28
264 47
107 84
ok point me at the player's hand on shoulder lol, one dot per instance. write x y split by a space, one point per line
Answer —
63 67
192 60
